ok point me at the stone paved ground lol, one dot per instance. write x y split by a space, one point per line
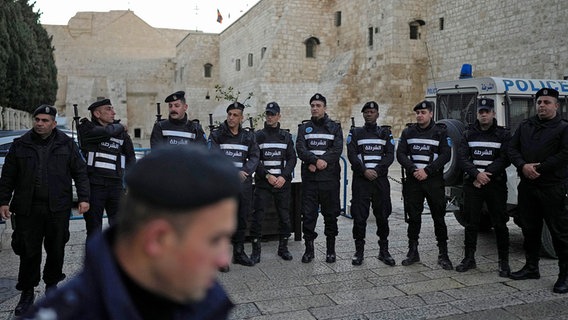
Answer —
277 289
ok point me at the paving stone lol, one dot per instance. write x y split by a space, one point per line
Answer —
267 284
486 303
345 276
357 308
429 285
436 297
480 290
407 301
7 289
260 295
422 312
296 315
294 304
537 310
340 286
398 279
345 297
497 314
538 294
244 311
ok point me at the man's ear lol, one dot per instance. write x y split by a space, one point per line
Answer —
157 236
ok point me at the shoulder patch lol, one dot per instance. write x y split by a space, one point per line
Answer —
349 136
309 129
449 141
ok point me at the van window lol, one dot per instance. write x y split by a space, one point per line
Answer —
519 110
522 108
460 106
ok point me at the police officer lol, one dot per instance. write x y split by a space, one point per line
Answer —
370 150
35 189
177 129
539 151
239 145
319 145
108 149
483 156
273 180
422 151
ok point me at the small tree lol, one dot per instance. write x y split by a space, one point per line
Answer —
232 95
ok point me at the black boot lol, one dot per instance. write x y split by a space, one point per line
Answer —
468 261
255 255
561 285
384 254
528 271
283 249
412 256
330 250
240 257
26 301
443 259
309 253
504 269
358 257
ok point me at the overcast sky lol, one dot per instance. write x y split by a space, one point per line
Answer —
175 14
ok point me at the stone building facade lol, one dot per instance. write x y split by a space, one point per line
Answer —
285 51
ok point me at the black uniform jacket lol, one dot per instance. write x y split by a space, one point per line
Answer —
277 155
241 148
320 139
370 147
112 142
484 150
64 163
426 148
544 142
177 132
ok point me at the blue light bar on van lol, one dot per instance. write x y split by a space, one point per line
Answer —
466 71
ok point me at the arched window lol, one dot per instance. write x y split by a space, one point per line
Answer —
415 29
207 69
311 45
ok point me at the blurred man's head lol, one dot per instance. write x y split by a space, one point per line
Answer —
174 231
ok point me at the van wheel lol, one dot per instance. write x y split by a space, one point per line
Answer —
547 248
452 173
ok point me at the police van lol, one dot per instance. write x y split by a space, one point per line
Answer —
455 103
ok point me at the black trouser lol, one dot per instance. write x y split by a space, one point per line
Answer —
245 206
41 226
314 194
537 203
262 200
366 193
414 193
494 195
103 197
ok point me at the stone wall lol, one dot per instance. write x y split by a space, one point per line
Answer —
12 119
117 55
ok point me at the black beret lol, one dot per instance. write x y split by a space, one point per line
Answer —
99 103
183 178
370 105
424 105
236 105
175 96
45 109
548 92
485 103
318 97
272 107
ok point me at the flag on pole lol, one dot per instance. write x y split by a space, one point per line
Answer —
219 17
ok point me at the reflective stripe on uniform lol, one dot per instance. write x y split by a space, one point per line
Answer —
230 146
182 134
